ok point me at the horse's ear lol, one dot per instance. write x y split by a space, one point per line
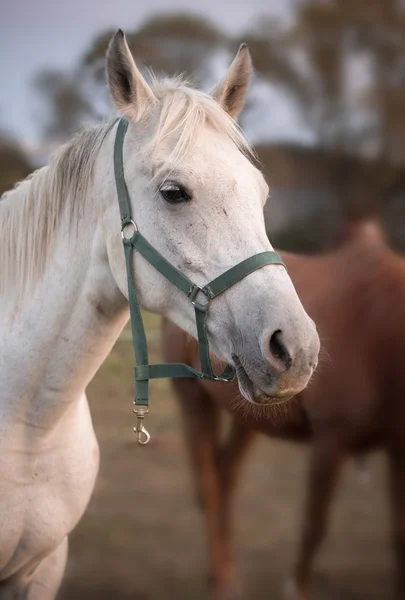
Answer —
231 92
129 90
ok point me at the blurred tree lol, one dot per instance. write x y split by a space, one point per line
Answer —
341 60
66 104
14 164
333 35
276 60
173 44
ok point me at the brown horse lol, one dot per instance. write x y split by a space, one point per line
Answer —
355 401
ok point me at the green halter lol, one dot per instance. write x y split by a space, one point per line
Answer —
200 297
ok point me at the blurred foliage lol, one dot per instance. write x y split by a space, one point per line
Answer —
172 44
322 192
66 105
311 58
14 164
331 34
304 237
341 61
168 45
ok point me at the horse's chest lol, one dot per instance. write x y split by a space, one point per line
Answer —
33 521
42 495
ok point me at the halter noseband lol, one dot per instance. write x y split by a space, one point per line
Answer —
200 297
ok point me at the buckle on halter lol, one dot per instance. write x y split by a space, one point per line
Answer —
193 293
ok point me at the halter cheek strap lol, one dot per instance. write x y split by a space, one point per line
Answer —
200 297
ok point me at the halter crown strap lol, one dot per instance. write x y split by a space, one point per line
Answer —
122 190
199 296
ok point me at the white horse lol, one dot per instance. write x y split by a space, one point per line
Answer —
63 293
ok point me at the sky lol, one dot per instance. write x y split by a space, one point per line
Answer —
52 33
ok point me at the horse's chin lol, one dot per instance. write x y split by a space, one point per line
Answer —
251 392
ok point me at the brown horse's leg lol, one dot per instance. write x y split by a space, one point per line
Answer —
215 474
326 460
397 481
231 456
201 420
229 461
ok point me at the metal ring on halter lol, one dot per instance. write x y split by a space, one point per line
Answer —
134 225
193 297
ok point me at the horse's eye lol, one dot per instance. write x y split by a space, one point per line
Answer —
174 193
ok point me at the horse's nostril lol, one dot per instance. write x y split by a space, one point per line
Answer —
279 350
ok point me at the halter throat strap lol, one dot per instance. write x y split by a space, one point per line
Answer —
199 296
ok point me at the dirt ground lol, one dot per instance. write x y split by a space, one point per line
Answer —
142 537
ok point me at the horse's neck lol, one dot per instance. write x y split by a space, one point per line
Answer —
61 335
